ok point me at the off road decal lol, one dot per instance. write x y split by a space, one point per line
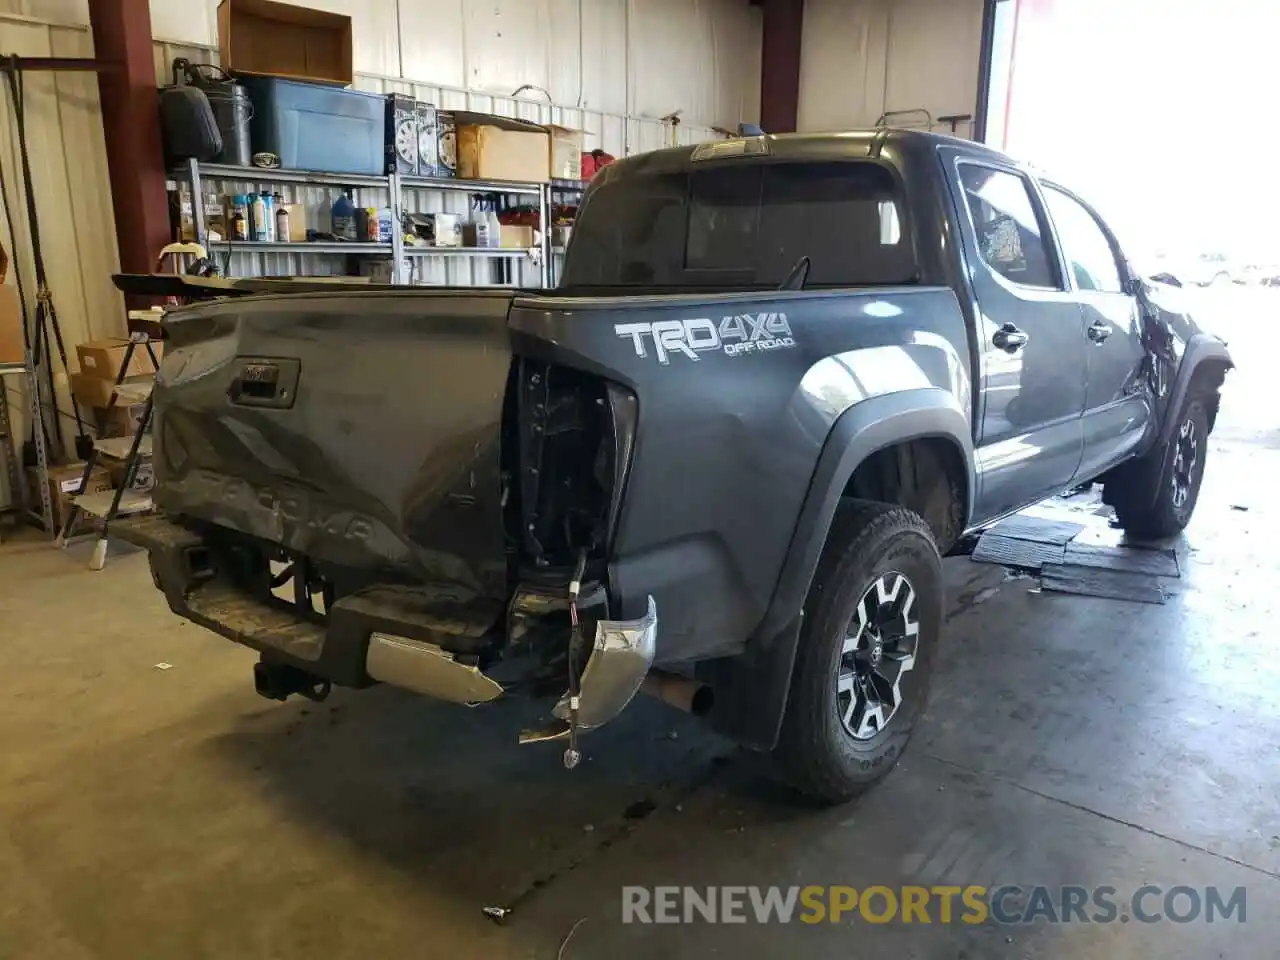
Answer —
733 336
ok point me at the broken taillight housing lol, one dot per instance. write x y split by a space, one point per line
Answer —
575 433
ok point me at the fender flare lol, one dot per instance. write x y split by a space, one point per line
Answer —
1201 348
751 688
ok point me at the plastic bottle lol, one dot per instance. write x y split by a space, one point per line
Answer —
282 221
481 223
344 217
495 227
257 218
269 217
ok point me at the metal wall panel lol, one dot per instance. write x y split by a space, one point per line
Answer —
643 58
864 58
73 198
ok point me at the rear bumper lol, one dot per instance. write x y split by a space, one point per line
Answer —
333 651
384 634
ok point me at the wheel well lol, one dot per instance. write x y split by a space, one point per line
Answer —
926 475
1205 381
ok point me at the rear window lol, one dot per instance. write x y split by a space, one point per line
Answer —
744 225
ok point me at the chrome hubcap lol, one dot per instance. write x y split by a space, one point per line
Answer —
879 650
1186 453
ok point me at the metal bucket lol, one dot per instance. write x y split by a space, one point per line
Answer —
232 110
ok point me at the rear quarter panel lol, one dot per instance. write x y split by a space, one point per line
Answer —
729 436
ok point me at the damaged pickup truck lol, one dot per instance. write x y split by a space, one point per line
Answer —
720 464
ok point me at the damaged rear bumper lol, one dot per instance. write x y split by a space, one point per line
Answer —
372 636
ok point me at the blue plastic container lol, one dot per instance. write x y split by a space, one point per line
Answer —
311 126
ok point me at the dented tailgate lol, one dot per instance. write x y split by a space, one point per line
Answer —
360 430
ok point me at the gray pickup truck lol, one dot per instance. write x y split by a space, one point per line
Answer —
720 464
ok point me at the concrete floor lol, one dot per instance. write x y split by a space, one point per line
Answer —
172 813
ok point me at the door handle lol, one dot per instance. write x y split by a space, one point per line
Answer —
1010 339
265 382
1099 331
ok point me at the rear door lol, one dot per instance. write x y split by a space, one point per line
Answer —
1117 411
1031 339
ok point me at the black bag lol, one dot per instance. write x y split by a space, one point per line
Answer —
188 127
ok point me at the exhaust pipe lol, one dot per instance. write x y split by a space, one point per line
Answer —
691 696
277 681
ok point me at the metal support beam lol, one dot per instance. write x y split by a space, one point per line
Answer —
780 64
131 123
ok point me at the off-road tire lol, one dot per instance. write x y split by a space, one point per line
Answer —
815 753
1129 491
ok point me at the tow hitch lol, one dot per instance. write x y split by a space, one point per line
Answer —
278 681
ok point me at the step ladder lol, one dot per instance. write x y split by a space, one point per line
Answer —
128 451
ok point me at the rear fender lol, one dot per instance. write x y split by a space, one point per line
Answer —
751 688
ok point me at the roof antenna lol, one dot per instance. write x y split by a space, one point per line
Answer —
798 275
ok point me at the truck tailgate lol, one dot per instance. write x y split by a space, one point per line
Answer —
361 430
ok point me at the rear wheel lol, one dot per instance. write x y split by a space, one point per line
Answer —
866 653
1176 470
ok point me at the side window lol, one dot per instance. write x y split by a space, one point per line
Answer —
1004 217
1088 253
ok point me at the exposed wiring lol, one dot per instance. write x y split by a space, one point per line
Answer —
565 942
572 756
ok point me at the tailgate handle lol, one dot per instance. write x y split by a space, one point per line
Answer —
264 382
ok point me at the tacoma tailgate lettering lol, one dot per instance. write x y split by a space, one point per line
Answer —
735 335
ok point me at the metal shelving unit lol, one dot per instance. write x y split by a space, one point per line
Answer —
472 186
195 173
466 252
13 455
555 189
319 246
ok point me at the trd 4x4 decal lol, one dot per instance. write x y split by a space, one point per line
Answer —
736 335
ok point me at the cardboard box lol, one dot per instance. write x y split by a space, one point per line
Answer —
102 358
10 324
566 153
383 271
144 477
402 135
11 338
91 391
429 143
64 483
516 238
282 40
500 148
120 421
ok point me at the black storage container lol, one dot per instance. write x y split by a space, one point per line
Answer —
231 107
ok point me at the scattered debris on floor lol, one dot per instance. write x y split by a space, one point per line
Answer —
1100 582
1157 562
1242 509
1078 558
639 810
569 936
497 914
985 595
163 666
1016 552
1037 529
